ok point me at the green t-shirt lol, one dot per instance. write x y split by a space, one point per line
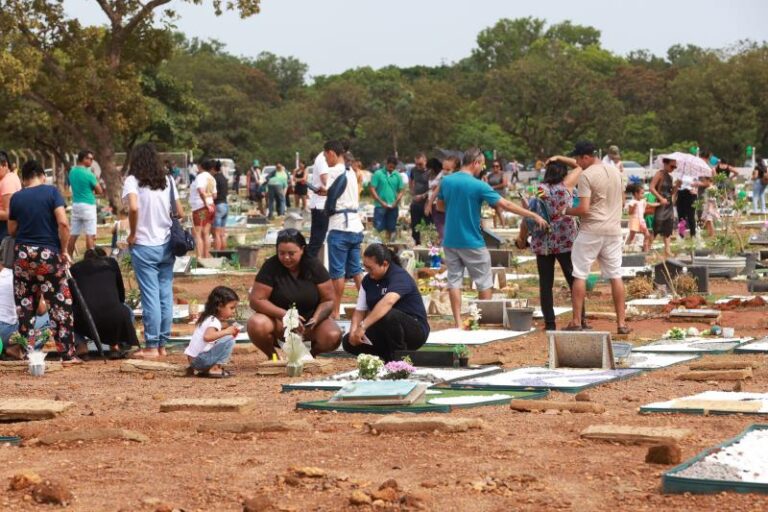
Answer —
387 185
279 178
83 182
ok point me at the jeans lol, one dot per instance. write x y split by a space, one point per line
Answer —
417 215
385 219
276 197
220 217
758 196
685 209
317 232
344 254
546 268
154 273
394 331
218 354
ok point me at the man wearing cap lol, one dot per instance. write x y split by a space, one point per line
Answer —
599 238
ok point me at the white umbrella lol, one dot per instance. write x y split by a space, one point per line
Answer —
687 165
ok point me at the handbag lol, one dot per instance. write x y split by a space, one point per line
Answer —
7 255
182 240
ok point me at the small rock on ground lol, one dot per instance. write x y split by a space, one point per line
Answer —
52 492
664 454
360 498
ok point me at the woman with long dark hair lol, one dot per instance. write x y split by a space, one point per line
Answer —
292 278
38 219
390 313
147 192
555 244
665 190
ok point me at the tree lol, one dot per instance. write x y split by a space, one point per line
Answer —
507 41
88 79
550 103
288 72
579 36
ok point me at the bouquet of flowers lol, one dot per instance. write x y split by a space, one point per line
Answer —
295 351
473 322
397 370
368 366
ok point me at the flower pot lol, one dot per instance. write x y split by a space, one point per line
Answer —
294 369
519 319
464 362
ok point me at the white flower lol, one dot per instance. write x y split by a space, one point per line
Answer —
474 312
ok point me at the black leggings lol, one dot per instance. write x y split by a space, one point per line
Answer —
546 267
685 209
394 331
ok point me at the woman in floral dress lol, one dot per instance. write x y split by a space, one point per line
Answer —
38 219
556 192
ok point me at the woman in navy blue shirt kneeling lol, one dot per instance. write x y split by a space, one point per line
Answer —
390 313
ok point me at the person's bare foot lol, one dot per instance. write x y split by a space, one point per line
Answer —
162 352
74 360
146 353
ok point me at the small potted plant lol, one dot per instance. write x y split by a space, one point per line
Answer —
368 366
462 352
473 322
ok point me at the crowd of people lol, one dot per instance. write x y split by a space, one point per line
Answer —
573 219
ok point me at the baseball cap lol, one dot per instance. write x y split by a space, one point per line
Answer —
614 151
583 148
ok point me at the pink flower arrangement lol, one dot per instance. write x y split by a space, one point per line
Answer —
398 370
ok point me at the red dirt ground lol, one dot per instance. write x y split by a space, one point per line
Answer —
528 461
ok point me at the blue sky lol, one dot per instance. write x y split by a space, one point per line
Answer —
334 35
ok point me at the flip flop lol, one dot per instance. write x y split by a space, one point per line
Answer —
573 328
624 329
223 374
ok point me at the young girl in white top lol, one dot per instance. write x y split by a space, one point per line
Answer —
637 206
211 346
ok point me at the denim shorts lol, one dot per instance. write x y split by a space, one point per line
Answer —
385 219
344 254
220 217
83 219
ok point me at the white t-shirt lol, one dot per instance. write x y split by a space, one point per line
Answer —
154 224
7 302
348 200
404 175
320 168
639 207
197 344
205 182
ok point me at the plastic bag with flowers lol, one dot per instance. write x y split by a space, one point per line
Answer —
295 350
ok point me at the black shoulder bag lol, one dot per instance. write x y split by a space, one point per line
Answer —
182 240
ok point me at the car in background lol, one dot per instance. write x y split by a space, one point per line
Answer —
632 168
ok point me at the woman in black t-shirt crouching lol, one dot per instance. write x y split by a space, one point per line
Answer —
292 277
390 312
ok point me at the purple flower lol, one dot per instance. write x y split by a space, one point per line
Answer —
399 366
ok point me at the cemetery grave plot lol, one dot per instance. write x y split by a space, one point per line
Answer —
567 380
713 402
694 345
479 337
737 465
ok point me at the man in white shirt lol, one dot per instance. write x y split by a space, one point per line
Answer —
345 231
332 152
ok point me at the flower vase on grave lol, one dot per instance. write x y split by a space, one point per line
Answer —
435 261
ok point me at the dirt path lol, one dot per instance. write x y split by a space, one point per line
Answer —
520 461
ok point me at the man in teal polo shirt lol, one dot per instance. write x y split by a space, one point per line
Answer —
387 189
84 187
462 196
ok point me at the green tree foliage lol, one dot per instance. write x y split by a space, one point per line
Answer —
93 82
527 90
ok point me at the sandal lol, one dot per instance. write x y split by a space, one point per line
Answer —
585 326
223 374
71 360
624 329
571 327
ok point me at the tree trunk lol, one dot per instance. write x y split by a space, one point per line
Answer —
113 180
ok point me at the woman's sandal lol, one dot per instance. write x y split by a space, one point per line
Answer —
223 374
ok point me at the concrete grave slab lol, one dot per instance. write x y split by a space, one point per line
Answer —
630 434
479 337
716 402
569 349
238 404
31 409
